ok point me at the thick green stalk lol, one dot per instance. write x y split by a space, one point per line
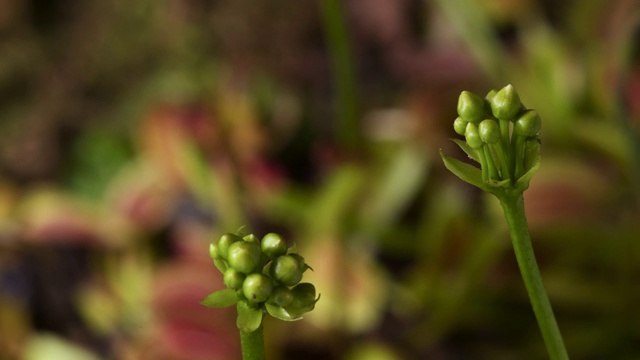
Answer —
513 205
252 344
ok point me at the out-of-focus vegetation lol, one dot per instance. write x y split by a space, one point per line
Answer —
132 133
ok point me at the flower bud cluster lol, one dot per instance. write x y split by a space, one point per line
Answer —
500 133
266 273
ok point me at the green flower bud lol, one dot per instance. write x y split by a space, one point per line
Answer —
487 100
489 131
528 124
505 105
459 125
257 288
281 296
214 251
470 107
273 245
251 238
301 262
233 278
473 136
225 242
244 256
286 270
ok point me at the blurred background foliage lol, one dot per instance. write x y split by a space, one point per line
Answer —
134 132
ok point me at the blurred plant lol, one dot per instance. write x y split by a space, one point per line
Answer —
262 276
502 135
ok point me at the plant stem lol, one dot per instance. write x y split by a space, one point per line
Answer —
252 344
343 71
513 206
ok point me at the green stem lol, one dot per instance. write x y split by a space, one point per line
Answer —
344 78
483 164
513 205
504 146
252 344
518 149
490 163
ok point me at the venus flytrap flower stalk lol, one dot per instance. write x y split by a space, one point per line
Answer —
502 136
262 276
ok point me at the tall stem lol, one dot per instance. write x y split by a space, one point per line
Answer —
252 344
343 71
513 205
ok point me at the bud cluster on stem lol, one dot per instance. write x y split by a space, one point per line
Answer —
501 133
264 275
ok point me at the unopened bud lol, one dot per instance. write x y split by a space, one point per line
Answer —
473 136
470 107
505 104
489 131
528 124
459 125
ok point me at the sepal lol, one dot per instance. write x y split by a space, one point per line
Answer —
466 172
220 298
281 313
471 153
249 317
523 182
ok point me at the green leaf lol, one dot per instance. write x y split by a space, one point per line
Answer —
296 310
464 171
471 153
279 312
249 317
220 298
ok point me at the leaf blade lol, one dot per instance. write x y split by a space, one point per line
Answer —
249 318
220 299
472 154
279 312
467 173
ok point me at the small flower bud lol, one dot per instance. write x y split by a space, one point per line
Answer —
473 136
233 278
489 131
303 265
459 125
257 288
528 124
505 105
286 270
487 100
244 256
273 245
214 251
470 107
251 238
225 242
